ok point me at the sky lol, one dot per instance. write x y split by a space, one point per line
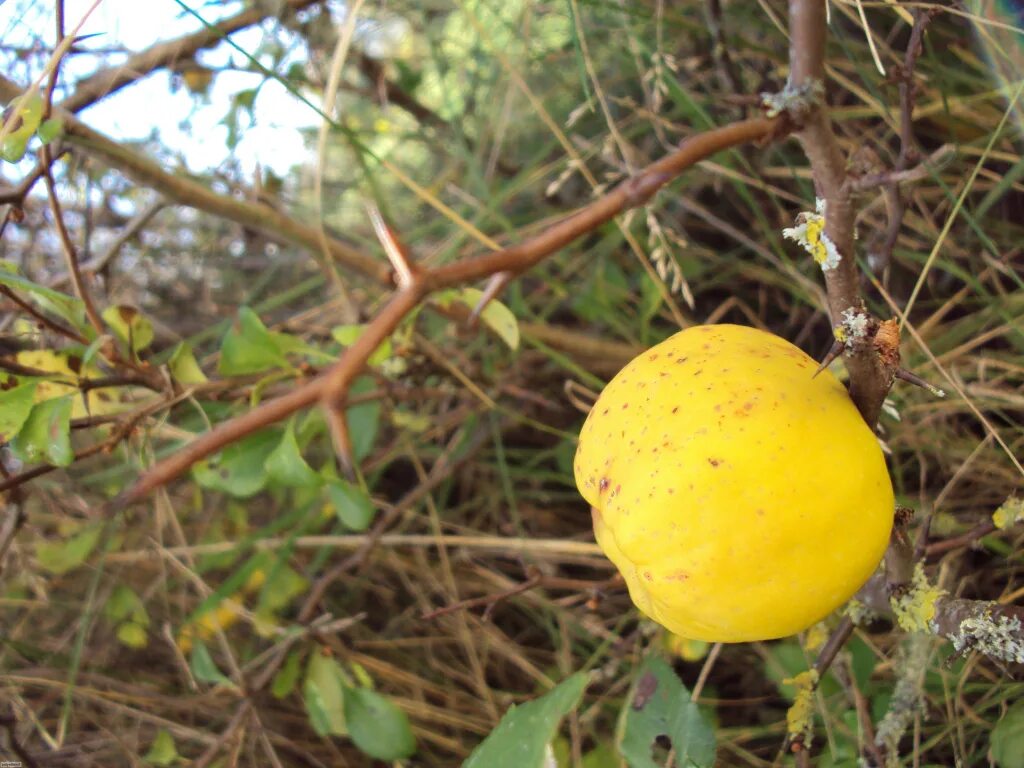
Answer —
134 112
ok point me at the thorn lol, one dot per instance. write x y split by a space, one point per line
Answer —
342 441
835 351
398 254
495 286
913 378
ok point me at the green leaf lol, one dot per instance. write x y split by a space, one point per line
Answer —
123 604
183 365
240 468
286 465
495 316
162 751
346 335
378 727
660 705
248 347
287 676
15 406
1006 742
203 667
133 635
66 307
50 129
323 693
363 420
282 585
59 557
21 125
351 504
46 433
520 740
129 325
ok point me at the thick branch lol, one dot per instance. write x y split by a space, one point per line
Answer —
870 376
334 381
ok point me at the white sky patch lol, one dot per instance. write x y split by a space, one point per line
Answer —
189 127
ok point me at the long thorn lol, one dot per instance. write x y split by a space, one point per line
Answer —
833 353
495 286
913 378
398 254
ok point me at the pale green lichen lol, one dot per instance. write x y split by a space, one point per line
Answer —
906 697
809 234
800 717
859 613
998 638
816 637
1010 513
797 101
915 607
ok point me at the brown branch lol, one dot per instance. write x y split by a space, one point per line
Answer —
42 319
107 81
332 384
870 376
533 580
70 254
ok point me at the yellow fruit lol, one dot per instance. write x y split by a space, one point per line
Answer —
740 498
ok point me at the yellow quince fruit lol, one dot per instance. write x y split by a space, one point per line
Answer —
741 497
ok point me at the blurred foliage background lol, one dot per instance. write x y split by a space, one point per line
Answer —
180 631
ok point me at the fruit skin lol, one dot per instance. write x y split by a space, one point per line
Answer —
740 497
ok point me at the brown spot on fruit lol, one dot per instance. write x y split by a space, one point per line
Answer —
714 462
603 485
678 576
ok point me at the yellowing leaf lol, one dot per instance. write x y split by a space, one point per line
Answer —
130 326
183 366
323 693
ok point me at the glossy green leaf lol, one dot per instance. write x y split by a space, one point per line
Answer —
59 557
351 504
15 406
133 328
287 676
659 705
378 727
286 465
162 751
248 347
183 366
323 693
1006 742
521 739
240 468
46 433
